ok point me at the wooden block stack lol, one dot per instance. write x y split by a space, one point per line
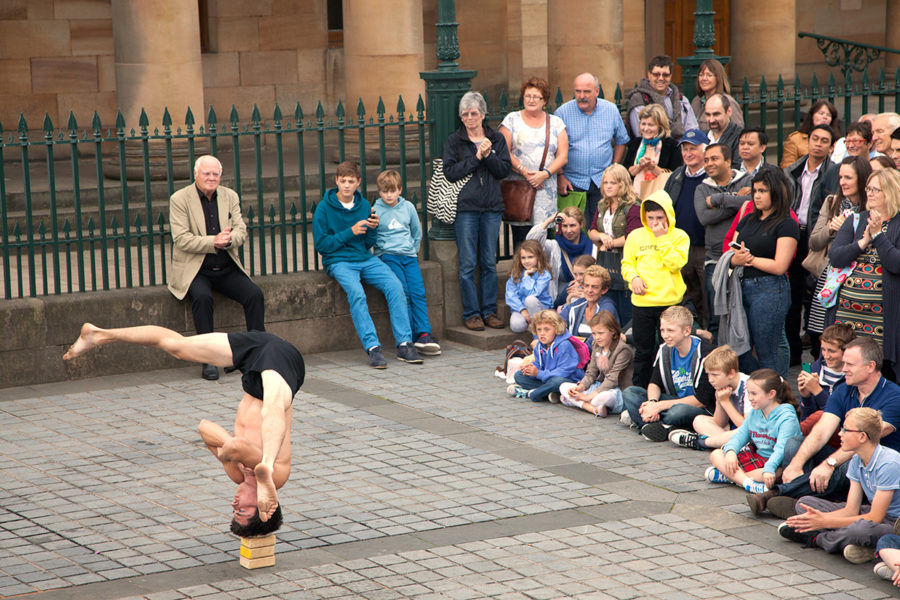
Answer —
258 552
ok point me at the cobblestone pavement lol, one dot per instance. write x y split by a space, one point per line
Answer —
418 481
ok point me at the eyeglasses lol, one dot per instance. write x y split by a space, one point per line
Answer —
469 115
845 430
872 190
533 97
659 75
854 141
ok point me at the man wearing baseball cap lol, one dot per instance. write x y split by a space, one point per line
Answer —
681 185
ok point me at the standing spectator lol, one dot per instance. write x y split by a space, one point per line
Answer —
597 138
525 131
654 150
712 79
795 145
658 88
651 265
874 248
751 146
814 177
850 199
857 141
883 125
716 202
680 186
768 239
207 230
895 148
477 149
618 214
722 129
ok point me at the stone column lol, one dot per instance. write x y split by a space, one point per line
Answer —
891 38
157 62
383 52
763 41
598 49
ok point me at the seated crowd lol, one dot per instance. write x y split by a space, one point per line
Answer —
668 275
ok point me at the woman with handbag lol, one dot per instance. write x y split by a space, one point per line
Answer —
653 156
873 250
477 151
539 149
847 202
618 214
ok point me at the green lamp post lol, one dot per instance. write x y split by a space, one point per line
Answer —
704 39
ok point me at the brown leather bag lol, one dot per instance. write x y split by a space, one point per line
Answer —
518 195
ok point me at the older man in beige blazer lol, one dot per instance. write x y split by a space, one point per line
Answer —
207 230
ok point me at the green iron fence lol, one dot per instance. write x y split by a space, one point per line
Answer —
69 224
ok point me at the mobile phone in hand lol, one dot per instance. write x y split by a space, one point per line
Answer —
734 246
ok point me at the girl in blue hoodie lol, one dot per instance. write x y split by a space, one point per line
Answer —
528 286
771 423
555 360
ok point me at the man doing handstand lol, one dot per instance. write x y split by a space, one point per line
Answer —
258 456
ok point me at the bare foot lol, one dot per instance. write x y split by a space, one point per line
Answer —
266 496
86 341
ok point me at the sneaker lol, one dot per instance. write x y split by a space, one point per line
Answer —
789 533
625 419
518 392
883 571
427 344
407 353
713 475
494 322
568 401
686 439
655 431
782 506
554 397
754 487
376 358
858 554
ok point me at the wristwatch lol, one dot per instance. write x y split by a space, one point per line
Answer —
831 462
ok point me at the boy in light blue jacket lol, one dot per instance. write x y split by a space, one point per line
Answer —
771 423
397 242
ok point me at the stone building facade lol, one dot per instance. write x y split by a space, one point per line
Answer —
58 56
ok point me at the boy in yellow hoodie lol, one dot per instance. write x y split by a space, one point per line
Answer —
651 262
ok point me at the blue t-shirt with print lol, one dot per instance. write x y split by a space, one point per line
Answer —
681 370
885 397
882 473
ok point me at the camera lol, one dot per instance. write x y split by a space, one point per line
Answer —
559 219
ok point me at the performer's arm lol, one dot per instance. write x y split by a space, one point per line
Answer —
230 451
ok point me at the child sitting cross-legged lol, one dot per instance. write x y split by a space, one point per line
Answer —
873 504
771 423
555 360
732 406
527 289
608 372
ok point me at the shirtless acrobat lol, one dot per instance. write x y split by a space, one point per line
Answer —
258 456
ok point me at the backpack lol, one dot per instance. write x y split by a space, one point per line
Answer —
518 349
584 353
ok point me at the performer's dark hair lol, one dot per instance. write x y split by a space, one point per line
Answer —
255 526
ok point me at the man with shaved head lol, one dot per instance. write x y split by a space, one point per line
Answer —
207 230
597 138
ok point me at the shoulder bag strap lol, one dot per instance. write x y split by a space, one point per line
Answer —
546 143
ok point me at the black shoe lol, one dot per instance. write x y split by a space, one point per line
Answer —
789 533
209 372
376 358
655 431
408 353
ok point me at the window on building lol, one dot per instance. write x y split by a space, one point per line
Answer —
203 6
335 23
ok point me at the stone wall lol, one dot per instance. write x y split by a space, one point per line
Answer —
309 310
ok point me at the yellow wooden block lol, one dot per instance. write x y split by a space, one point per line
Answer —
258 542
260 552
255 563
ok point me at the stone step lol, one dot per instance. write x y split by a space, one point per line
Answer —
489 339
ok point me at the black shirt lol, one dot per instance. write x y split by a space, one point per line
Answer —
219 259
761 238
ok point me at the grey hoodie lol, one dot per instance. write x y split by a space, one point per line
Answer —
725 205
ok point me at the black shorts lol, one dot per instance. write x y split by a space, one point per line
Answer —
253 352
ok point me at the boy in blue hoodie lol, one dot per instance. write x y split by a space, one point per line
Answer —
344 229
555 360
397 242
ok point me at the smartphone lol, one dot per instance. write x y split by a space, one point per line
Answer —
734 246
806 367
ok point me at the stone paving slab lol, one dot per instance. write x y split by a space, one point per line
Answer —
418 481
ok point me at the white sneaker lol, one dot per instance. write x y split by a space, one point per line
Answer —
883 571
625 419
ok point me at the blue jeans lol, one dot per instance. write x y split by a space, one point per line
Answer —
406 268
838 485
539 389
351 276
766 302
710 295
477 236
679 416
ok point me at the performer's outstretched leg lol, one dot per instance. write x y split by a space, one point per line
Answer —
212 348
